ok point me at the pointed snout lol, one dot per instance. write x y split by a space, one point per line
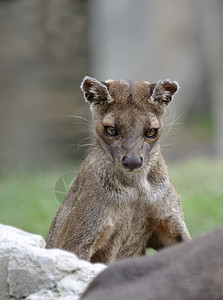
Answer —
132 162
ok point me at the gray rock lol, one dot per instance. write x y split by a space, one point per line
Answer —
29 270
9 234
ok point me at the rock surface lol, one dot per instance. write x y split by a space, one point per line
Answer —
29 271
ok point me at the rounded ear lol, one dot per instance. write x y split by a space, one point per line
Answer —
163 91
95 92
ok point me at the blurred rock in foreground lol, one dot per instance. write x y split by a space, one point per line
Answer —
29 271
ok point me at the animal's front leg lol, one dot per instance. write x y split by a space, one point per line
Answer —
168 232
85 235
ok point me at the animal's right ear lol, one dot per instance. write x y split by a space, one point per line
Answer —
95 92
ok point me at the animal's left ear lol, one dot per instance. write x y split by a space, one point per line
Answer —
163 91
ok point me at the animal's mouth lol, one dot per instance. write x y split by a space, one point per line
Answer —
132 170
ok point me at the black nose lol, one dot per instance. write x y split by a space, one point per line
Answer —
132 161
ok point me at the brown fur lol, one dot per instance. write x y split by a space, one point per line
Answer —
117 207
187 271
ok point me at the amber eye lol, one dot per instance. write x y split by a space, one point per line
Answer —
110 131
151 133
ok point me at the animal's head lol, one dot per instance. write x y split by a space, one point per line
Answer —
128 117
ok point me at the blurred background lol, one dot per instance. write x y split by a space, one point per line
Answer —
47 47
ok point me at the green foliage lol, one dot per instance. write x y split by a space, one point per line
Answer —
28 199
199 183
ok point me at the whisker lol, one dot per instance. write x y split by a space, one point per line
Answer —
84 139
86 124
174 120
77 145
74 116
84 145
91 148
169 124
175 128
88 137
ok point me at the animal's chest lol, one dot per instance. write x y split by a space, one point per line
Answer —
127 232
129 225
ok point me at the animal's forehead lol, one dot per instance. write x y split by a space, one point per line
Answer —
131 100
131 118
124 89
